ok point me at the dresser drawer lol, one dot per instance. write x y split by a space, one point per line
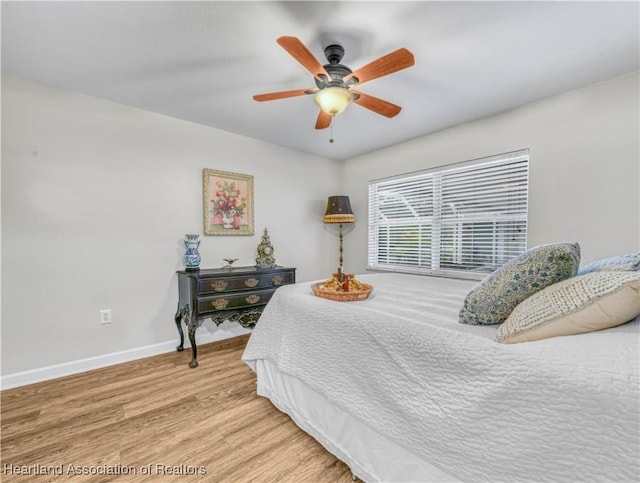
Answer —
254 281
234 300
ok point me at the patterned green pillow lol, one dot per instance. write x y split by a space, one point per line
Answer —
492 301
620 263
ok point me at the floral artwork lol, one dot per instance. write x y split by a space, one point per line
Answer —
228 203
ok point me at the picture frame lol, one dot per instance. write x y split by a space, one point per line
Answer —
227 203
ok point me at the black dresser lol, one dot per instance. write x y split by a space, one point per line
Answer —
236 294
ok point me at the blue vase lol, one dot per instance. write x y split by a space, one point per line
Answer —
192 256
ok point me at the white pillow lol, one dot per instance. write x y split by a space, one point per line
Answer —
585 303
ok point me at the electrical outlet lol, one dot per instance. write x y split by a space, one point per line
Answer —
105 316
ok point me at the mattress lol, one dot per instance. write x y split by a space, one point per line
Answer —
400 364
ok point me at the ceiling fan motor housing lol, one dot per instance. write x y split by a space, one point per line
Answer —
338 71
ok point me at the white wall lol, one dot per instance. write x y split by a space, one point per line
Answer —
584 167
96 199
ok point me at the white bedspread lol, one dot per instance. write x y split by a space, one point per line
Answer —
563 409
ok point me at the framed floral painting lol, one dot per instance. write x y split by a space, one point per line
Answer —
228 203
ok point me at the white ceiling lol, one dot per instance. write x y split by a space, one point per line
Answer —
203 61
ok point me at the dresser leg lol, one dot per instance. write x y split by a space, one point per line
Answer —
194 347
178 319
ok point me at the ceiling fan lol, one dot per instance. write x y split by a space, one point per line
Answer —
334 81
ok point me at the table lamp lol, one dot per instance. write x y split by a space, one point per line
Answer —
339 211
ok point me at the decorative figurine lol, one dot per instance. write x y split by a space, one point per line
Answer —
265 258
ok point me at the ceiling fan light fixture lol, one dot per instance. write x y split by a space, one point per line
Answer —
333 100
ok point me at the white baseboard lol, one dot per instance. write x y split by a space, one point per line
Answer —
74 367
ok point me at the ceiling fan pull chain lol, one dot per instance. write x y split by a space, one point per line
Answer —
333 118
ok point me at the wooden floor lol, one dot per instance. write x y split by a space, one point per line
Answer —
158 420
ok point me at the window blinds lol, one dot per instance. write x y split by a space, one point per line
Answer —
462 220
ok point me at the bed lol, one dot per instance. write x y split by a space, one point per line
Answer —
399 390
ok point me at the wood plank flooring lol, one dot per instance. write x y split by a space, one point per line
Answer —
156 419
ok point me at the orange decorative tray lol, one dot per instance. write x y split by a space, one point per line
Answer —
341 296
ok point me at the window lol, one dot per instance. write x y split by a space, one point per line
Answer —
463 220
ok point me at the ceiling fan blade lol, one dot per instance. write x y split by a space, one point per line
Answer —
302 54
272 96
385 65
323 121
376 105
